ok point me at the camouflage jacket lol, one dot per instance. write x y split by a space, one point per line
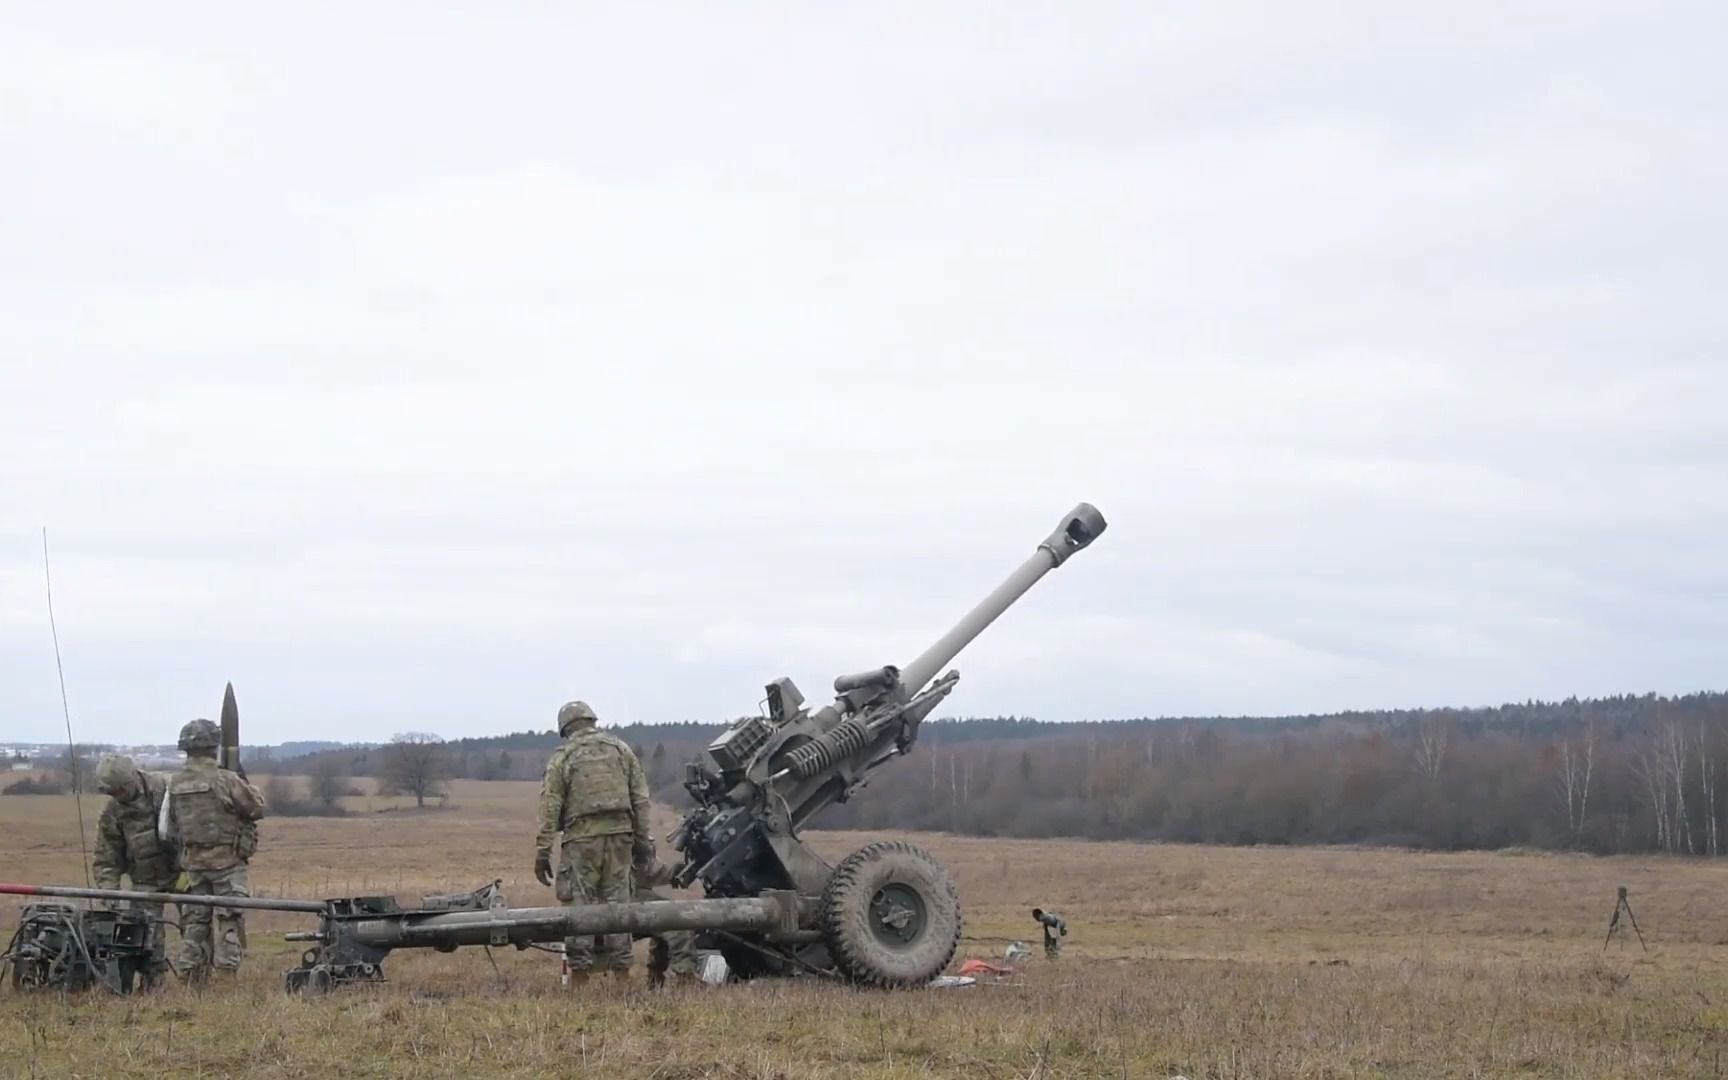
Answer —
127 844
210 812
594 786
1054 926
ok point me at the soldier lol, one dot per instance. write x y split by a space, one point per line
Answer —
671 955
1054 931
127 844
596 795
210 814
673 952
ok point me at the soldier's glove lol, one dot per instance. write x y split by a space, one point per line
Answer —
642 854
653 875
543 868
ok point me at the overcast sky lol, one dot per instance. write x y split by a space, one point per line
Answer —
425 366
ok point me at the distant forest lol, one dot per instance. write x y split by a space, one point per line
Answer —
1614 775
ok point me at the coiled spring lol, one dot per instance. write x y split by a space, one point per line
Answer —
823 752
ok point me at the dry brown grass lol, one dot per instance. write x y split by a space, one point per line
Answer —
1182 960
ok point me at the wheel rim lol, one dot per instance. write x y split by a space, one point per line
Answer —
897 915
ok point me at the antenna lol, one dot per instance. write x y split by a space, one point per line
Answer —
66 710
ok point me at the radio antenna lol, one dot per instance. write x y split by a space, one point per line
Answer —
66 710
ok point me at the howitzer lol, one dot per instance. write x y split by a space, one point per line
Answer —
888 915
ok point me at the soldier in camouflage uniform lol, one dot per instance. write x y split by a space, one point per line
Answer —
1055 929
210 815
127 844
596 795
673 952
670 955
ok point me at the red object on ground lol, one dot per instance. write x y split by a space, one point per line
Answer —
984 967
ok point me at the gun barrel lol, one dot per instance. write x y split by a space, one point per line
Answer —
1077 530
259 903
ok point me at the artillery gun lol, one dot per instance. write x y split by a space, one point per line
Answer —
888 915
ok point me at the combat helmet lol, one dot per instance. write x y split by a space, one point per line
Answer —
574 713
200 735
115 774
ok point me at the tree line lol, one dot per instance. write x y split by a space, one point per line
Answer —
1610 775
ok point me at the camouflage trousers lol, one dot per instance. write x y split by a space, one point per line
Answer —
672 953
158 930
596 870
212 938
158 968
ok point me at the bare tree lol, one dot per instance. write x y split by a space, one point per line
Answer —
328 779
1671 743
78 763
414 764
280 794
1707 774
1433 738
1660 767
1577 763
953 791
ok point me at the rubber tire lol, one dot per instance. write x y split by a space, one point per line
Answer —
846 916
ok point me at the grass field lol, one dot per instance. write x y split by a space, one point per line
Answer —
1188 961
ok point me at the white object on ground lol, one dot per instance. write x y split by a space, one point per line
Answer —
713 970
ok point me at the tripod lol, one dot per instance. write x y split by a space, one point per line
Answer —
1622 904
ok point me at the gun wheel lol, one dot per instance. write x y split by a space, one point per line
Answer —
891 916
